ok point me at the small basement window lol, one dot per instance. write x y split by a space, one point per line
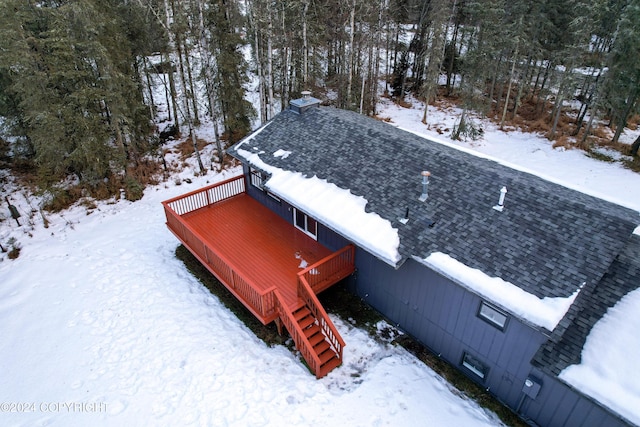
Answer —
475 366
257 178
305 223
492 315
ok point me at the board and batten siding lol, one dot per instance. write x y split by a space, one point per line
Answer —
558 404
443 316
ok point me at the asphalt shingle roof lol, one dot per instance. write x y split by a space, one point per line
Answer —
549 240
565 344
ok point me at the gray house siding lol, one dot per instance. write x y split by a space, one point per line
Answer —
444 316
560 405
279 207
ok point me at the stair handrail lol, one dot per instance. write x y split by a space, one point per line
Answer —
297 334
314 305
347 253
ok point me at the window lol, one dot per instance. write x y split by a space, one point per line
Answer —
492 315
475 366
274 197
305 223
257 178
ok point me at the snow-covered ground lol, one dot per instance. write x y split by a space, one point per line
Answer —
101 325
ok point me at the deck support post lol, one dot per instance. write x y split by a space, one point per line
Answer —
279 325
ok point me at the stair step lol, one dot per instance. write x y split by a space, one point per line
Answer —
326 356
313 330
306 322
301 313
330 365
321 347
316 339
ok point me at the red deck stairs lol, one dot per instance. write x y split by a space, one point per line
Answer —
313 333
328 356
288 301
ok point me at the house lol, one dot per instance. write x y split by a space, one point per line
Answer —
499 272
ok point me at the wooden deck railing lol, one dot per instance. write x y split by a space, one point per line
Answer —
260 303
329 270
326 325
206 196
297 334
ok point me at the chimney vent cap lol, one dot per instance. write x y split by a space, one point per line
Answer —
303 104
425 186
500 206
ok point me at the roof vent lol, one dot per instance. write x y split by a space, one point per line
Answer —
425 186
500 205
303 104
406 217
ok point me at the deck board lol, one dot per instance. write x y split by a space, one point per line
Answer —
257 242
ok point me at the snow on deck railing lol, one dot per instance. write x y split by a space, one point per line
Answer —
206 196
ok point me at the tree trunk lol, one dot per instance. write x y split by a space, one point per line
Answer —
456 28
185 98
511 74
587 131
350 55
205 56
147 75
258 53
172 91
305 44
191 94
284 99
622 118
635 146
270 63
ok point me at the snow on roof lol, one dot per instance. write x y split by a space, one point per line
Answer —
282 153
545 312
335 207
608 371
251 136
637 230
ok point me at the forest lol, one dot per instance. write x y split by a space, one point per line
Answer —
78 77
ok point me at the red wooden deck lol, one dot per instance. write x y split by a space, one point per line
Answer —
273 268
269 251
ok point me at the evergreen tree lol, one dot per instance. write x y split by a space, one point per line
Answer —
71 75
622 87
224 19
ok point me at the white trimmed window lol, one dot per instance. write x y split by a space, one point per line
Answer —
492 315
305 223
256 177
475 366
